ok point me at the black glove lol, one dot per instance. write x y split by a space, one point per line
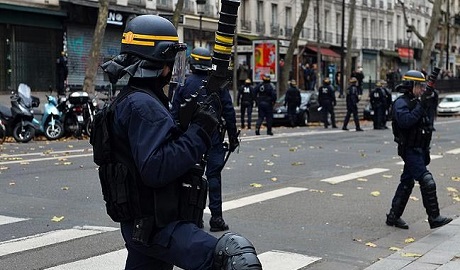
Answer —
206 117
425 99
233 141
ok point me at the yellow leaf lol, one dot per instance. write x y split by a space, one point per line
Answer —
70 146
455 178
387 176
451 189
297 163
274 179
275 155
65 188
362 179
394 249
337 194
249 164
409 240
293 149
270 164
12 183
413 255
255 185
456 198
370 244
2 168
57 219
267 171
261 149
413 198
316 190
375 193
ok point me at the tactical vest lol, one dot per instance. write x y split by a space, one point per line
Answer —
417 136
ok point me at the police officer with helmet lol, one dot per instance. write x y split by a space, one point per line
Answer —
378 100
412 133
138 144
245 100
200 65
265 93
292 100
327 101
352 100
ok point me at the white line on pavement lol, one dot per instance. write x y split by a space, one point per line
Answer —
286 135
49 238
6 220
257 198
108 261
342 178
280 260
44 159
454 151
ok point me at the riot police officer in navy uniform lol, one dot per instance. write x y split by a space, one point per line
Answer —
200 65
378 100
265 97
352 100
327 101
246 100
412 132
150 153
292 101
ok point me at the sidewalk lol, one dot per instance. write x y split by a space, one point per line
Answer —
438 250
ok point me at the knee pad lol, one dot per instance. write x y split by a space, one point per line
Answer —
427 181
235 252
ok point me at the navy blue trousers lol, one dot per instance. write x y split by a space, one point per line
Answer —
214 168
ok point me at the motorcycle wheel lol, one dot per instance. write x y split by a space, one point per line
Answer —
23 134
73 127
54 132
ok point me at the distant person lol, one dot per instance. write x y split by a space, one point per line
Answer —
352 100
327 101
246 100
243 73
61 73
338 79
378 98
265 93
306 76
359 75
292 101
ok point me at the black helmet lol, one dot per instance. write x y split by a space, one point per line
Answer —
200 59
152 38
327 81
266 77
410 78
353 80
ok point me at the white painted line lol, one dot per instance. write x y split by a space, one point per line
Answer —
44 159
280 260
433 157
454 151
7 220
108 261
257 198
286 135
49 238
342 178
271 260
46 153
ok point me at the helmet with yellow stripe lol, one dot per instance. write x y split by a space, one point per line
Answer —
152 38
200 59
410 79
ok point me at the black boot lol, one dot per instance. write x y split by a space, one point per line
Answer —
398 205
430 202
257 131
217 224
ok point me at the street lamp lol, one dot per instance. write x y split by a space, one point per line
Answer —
409 36
199 7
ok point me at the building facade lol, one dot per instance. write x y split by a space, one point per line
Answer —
34 32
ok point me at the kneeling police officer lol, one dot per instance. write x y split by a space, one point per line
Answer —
412 132
144 158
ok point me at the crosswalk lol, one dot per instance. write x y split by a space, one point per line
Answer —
271 260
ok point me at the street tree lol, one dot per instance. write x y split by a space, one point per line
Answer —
177 13
428 38
292 46
94 54
351 26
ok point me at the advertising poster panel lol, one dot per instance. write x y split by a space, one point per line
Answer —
265 59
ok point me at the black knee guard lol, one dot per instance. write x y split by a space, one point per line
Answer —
234 252
429 197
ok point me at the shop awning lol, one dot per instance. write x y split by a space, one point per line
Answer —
324 51
389 53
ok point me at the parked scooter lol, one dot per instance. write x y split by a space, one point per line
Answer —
74 112
50 125
18 119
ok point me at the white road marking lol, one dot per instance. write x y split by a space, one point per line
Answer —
433 157
44 159
286 135
271 260
257 198
7 220
454 151
49 238
342 178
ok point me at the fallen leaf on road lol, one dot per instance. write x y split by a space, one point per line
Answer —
65 188
316 190
361 179
375 193
57 219
455 178
275 155
274 179
267 171
370 244
337 194
412 255
255 185
12 183
394 249
297 163
413 198
387 176
262 149
270 164
2 168
409 240
451 189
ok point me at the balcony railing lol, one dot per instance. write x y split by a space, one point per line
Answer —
274 29
245 25
365 42
260 27
288 32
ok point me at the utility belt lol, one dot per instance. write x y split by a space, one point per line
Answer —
415 138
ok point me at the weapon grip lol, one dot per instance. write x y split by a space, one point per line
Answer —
186 111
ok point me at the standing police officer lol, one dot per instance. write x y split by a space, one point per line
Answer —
149 155
352 104
200 64
292 100
412 132
246 100
327 101
377 97
265 97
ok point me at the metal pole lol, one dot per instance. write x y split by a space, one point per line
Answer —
342 50
318 40
201 29
448 34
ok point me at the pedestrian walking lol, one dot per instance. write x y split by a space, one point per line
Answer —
352 100
245 100
150 163
200 65
327 101
62 72
292 102
265 97
412 133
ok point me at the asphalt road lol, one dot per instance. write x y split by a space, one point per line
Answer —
311 198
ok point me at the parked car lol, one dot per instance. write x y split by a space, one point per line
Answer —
449 105
368 112
306 113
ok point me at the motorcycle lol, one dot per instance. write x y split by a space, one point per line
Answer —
74 112
18 119
50 125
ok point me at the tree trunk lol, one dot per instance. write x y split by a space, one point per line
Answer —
98 37
351 25
292 46
177 13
